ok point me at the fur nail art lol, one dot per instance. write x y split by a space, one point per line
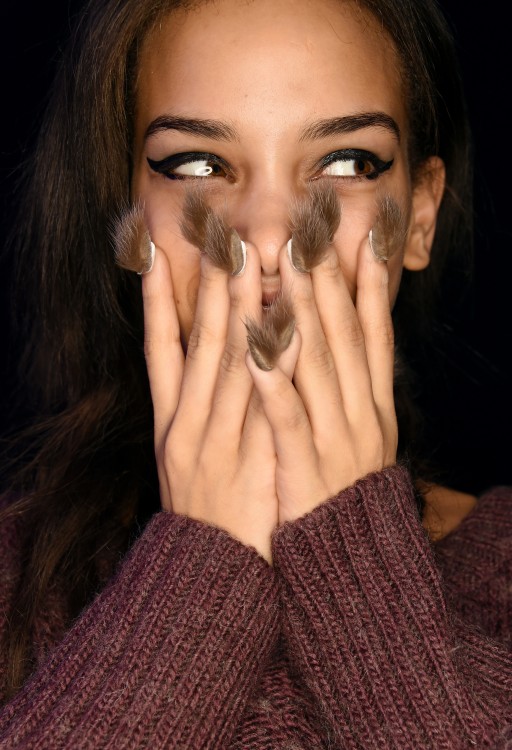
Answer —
314 221
211 234
272 338
133 248
389 232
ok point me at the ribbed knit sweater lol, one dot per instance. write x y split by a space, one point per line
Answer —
363 634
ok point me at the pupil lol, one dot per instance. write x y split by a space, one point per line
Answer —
361 165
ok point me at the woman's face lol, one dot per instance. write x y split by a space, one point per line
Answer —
261 98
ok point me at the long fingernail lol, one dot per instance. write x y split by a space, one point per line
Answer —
295 262
388 234
211 234
150 260
376 246
314 221
134 250
238 253
267 341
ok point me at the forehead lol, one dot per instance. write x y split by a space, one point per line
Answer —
262 57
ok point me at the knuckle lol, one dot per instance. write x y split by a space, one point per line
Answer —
156 343
386 334
352 333
255 407
295 421
232 359
235 299
201 336
381 332
210 274
180 454
331 265
373 430
321 358
303 295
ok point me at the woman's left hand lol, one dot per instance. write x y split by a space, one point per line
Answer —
336 422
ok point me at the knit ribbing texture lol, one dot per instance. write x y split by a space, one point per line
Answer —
363 635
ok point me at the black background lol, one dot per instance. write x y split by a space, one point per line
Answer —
470 406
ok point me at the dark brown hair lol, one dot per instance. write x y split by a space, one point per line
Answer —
86 480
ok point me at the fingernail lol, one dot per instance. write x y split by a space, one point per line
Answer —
296 262
377 247
238 250
258 353
389 231
273 337
134 250
149 260
314 220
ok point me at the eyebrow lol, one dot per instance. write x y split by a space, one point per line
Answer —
349 124
221 131
218 131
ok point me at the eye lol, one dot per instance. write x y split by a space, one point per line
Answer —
199 168
354 163
350 168
190 166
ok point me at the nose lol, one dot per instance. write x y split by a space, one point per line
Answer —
261 218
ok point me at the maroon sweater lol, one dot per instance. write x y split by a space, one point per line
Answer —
362 635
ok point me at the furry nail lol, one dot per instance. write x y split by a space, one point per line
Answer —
211 234
389 232
133 248
270 339
314 221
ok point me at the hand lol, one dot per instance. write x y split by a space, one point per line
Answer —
214 448
336 422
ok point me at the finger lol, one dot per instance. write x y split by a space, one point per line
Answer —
162 343
374 313
257 427
234 383
286 414
344 334
315 375
204 348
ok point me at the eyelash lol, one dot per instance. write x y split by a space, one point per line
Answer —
166 166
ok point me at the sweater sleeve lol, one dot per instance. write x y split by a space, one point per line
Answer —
369 630
167 655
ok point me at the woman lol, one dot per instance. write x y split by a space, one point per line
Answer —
289 594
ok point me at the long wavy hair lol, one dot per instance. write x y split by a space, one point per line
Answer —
84 478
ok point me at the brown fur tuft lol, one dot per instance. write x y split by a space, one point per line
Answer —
132 243
389 232
314 221
211 234
270 339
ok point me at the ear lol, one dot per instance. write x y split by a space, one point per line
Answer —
426 200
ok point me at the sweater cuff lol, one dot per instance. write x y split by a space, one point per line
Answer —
372 507
366 623
474 553
169 651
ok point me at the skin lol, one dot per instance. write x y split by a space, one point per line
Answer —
237 447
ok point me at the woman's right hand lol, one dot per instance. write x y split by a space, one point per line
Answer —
214 447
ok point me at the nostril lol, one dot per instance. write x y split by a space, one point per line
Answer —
271 288
267 299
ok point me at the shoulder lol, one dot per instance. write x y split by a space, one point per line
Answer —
445 508
472 532
473 552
